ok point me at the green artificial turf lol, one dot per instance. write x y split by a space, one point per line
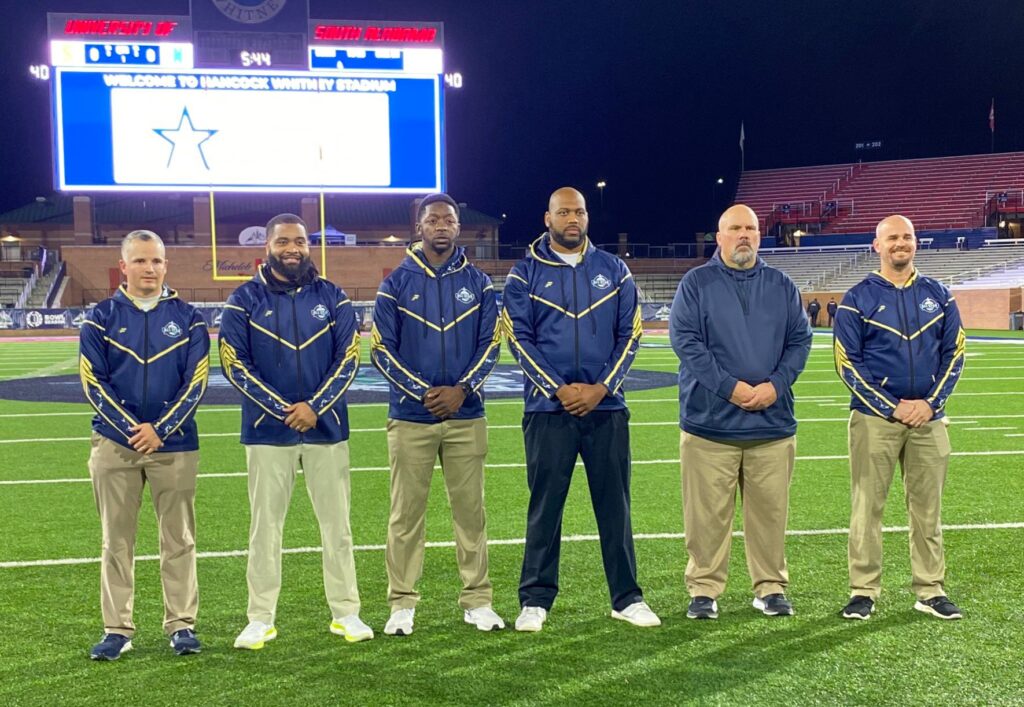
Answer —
582 656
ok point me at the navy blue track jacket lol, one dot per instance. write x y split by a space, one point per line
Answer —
279 348
898 343
569 324
731 325
141 367
434 327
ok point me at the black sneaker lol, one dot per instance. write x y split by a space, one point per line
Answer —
111 647
773 605
702 608
184 642
859 607
939 607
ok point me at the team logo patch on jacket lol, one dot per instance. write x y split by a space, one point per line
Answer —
172 330
464 296
601 282
320 312
929 305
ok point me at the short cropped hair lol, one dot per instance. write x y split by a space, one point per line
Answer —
434 199
285 218
138 235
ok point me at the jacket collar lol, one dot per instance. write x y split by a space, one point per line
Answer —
716 261
122 296
267 279
416 260
541 251
881 279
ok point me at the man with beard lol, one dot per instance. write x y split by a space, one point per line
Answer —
739 329
573 323
289 343
899 347
436 339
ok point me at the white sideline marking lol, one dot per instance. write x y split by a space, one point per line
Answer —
511 465
959 420
505 541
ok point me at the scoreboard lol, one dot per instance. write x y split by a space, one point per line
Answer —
246 95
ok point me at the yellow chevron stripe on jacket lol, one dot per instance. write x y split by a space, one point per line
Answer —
351 357
377 347
628 352
495 342
199 379
91 383
517 348
957 361
843 364
232 366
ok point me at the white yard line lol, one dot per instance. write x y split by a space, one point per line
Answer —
812 532
506 465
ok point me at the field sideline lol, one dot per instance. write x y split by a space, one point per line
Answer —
49 571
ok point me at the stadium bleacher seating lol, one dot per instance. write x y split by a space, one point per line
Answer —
951 267
934 193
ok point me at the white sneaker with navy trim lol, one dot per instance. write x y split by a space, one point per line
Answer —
531 618
638 614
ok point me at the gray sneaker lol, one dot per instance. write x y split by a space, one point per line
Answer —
702 608
774 605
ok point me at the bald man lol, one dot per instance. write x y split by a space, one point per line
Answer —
742 339
899 347
572 319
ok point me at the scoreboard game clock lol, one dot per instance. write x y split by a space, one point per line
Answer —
246 96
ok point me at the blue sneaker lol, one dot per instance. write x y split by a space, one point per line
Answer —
111 647
184 642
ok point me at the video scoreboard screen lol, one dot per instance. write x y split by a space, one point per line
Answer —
153 103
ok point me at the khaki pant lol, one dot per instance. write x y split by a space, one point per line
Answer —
876 445
118 476
413 448
272 473
711 473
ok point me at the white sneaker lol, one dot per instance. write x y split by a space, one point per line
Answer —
531 618
638 614
484 618
255 636
400 622
352 628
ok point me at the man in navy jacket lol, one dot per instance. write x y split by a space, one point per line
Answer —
573 323
289 343
436 339
742 339
144 366
899 347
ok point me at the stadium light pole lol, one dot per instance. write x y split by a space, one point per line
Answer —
600 190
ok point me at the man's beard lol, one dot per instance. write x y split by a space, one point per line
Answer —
567 242
290 271
743 257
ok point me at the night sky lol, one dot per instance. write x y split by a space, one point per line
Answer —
645 95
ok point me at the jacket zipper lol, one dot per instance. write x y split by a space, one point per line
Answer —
905 325
440 309
145 362
295 328
576 323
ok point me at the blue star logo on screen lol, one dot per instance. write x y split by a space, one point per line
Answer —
186 136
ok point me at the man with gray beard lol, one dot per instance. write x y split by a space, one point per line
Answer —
742 339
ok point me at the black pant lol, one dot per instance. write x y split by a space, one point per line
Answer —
553 441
